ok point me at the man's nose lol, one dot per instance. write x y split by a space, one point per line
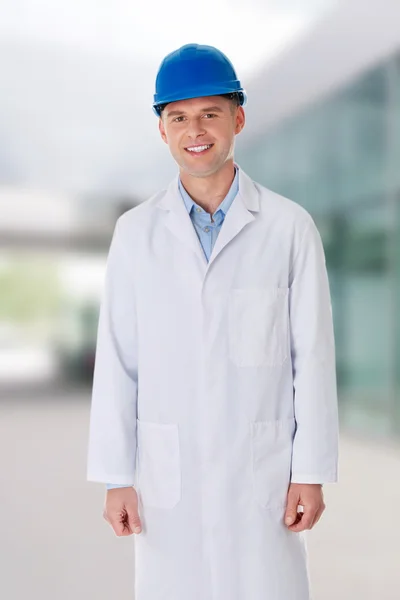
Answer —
195 128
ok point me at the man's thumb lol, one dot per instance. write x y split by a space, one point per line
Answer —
134 521
291 509
290 517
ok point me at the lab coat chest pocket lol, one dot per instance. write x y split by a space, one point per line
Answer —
258 326
271 444
159 468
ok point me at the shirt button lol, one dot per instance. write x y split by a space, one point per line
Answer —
206 229
198 209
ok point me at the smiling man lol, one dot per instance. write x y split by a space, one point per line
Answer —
214 416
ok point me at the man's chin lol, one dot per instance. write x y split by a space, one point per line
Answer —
199 170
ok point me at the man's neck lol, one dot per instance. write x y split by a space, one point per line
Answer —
209 192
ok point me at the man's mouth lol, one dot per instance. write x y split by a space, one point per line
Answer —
199 149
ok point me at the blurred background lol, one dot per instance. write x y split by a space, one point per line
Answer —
79 145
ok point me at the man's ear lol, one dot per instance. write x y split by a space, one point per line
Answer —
162 130
240 119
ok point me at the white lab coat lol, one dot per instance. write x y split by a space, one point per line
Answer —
214 387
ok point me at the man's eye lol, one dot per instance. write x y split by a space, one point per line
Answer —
176 119
210 115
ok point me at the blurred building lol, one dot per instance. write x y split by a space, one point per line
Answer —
52 248
323 129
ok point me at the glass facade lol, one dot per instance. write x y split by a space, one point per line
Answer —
340 159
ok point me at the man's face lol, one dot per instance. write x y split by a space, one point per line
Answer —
209 121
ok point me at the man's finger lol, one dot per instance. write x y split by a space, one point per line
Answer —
117 526
307 519
318 515
119 522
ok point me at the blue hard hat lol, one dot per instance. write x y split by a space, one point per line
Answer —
193 71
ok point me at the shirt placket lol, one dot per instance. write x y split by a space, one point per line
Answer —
207 228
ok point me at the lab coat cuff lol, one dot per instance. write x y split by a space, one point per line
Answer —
112 486
107 477
309 478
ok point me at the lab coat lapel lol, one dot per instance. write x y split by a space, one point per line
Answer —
239 214
178 220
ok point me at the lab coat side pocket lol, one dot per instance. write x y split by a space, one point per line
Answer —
271 444
159 464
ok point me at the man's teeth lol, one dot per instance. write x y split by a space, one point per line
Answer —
199 148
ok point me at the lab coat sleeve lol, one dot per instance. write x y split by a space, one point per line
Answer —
112 430
315 443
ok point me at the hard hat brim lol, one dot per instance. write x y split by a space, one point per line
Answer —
199 94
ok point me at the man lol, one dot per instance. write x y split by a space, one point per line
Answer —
214 415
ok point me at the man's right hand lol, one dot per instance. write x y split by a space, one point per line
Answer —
121 511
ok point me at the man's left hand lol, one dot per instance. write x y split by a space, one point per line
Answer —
310 497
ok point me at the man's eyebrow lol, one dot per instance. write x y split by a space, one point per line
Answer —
174 113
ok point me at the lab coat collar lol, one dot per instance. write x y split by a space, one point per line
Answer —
247 191
245 203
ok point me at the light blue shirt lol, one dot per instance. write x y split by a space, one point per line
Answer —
208 227
207 230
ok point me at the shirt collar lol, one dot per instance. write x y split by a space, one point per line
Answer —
226 202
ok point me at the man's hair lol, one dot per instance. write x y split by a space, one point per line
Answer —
232 96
